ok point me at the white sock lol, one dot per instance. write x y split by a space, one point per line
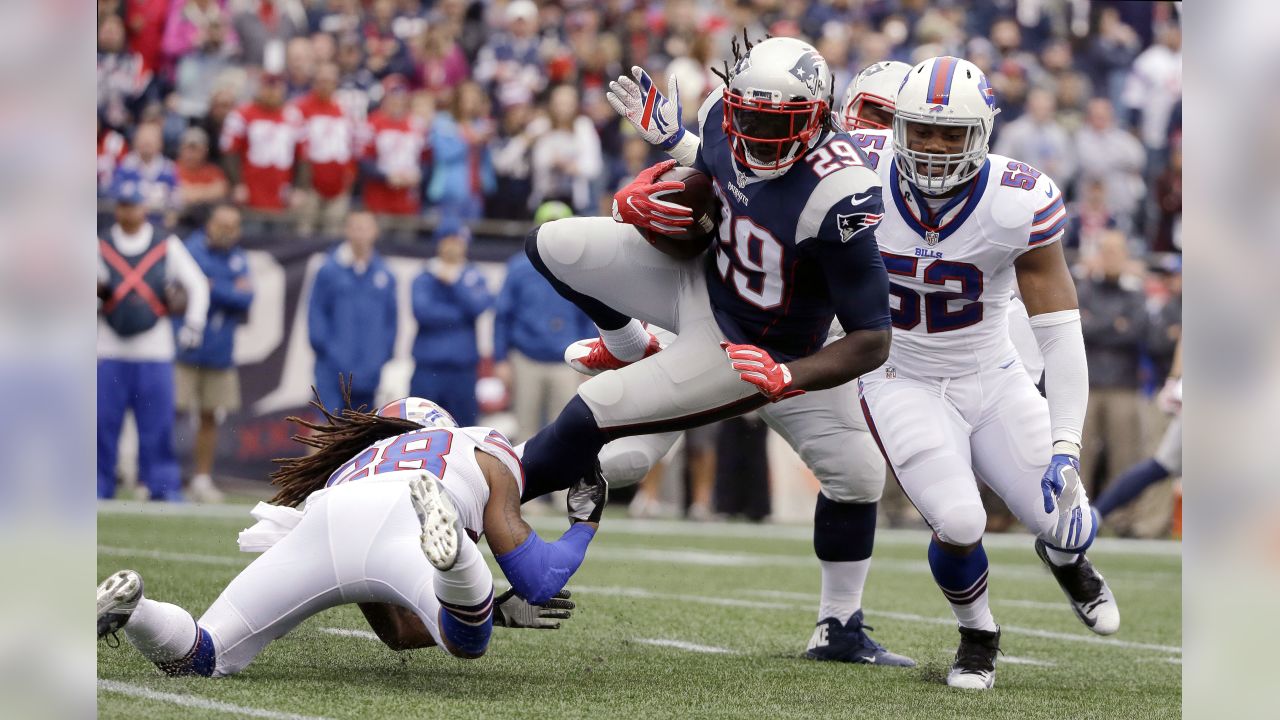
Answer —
469 582
627 342
1059 558
976 615
161 631
842 584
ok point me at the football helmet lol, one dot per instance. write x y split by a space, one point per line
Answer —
419 410
777 101
874 88
945 92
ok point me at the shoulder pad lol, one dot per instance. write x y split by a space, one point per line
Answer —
712 98
1023 210
830 190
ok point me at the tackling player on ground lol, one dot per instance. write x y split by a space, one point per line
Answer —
952 404
393 505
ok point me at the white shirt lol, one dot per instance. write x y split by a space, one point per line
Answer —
157 343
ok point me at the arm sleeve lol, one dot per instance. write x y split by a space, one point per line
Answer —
183 268
538 569
851 262
1066 371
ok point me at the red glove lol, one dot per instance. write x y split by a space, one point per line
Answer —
640 203
756 367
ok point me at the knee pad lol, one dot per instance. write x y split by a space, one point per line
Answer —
960 524
847 464
564 248
626 461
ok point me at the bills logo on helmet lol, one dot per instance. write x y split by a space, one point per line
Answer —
419 410
807 70
988 92
853 223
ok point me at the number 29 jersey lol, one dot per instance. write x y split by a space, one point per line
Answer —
951 270
796 250
447 453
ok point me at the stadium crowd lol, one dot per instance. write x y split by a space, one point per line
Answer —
449 112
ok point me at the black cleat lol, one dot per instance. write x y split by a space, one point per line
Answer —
975 665
1087 590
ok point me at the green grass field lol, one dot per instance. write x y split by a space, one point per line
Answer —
673 620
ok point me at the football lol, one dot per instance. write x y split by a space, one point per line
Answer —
697 196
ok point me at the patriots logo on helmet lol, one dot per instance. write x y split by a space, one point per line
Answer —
851 224
807 70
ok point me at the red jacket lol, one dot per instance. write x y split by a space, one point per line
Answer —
265 140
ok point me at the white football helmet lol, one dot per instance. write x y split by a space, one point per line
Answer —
419 410
875 88
944 92
777 101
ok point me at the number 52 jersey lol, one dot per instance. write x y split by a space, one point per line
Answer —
951 267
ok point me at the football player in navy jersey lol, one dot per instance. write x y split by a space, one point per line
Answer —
796 248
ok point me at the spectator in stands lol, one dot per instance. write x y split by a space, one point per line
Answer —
154 174
258 142
192 24
146 21
112 147
201 184
200 68
124 78
351 317
1088 218
566 159
395 145
511 59
447 298
1168 197
260 23
1153 89
462 169
438 62
1037 139
137 262
532 325
1112 156
1114 316
358 89
511 160
1112 48
221 104
328 151
299 66
206 379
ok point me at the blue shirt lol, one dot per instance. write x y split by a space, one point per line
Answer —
446 316
230 294
352 318
532 318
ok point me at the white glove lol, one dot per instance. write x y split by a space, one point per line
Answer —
190 337
656 116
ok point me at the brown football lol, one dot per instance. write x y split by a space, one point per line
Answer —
697 196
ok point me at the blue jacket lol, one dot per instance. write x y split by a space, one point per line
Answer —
352 318
451 164
446 317
531 317
230 294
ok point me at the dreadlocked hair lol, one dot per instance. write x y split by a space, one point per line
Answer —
336 439
741 50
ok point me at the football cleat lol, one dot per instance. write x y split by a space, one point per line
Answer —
591 357
975 665
118 597
1087 591
850 643
439 521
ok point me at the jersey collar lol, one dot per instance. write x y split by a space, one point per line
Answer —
915 211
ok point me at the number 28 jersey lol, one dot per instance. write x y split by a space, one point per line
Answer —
951 269
796 250
447 453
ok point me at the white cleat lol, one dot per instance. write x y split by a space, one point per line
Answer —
975 665
439 521
1087 591
118 597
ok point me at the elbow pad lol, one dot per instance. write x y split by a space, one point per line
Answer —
1066 371
538 569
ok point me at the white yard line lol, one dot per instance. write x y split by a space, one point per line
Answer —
195 701
175 557
682 645
1031 604
1012 660
679 528
344 632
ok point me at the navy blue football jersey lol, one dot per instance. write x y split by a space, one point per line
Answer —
796 250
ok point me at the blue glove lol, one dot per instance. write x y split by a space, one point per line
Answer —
1056 478
1077 522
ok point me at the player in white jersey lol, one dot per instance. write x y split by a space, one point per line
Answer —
869 100
952 404
393 505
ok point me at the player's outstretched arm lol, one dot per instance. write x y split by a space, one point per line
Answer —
1049 292
538 570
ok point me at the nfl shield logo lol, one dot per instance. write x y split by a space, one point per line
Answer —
890 372
931 237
